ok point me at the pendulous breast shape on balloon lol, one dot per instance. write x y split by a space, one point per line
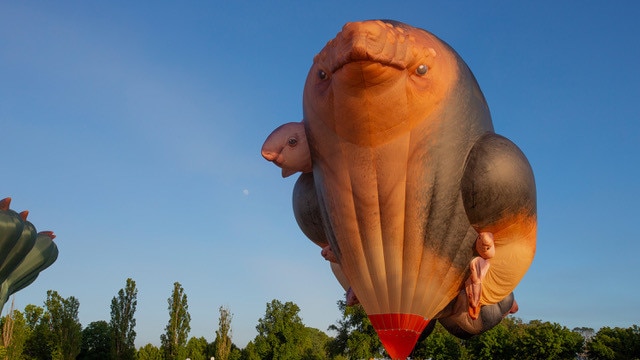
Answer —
397 129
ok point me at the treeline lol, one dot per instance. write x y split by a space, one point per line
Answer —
53 332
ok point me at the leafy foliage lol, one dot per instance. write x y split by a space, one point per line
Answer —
174 339
196 348
281 335
149 352
356 338
123 321
499 342
439 345
545 340
223 334
614 344
96 341
65 325
511 339
39 343
14 334
53 333
316 348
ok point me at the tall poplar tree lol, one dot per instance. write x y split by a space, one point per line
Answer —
174 340
123 322
223 334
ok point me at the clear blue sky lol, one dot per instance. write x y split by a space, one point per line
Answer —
133 130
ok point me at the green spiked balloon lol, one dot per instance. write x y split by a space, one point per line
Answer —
11 226
12 257
24 253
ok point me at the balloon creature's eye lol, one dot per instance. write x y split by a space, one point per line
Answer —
292 142
322 75
422 69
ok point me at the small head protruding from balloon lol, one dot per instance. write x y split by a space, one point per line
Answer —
328 254
287 147
485 246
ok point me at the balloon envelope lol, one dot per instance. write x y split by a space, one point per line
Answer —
15 255
23 251
392 115
11 226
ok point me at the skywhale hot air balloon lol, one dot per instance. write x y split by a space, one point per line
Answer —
428 212
24 252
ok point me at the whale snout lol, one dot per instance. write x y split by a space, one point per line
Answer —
375 41
270 155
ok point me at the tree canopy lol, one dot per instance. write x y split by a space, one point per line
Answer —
54 332
96 341
615 343
123 321
356 338
283 336
65 325
223 334
175 338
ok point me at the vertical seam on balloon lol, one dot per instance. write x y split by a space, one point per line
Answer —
379 281
405 225
358 266
385 263
415 302
428 249
389 263
401 274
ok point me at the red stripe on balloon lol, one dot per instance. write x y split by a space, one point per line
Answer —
398 332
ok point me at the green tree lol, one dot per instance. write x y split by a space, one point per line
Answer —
511 339
317 344
236 353
545 340
7 333
223 334
15 333
281 333
497 343
65 325
614 344
177 330
40 335
356 338
250 352
96 341
439 345
32 315
149 352
197 348
123 322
